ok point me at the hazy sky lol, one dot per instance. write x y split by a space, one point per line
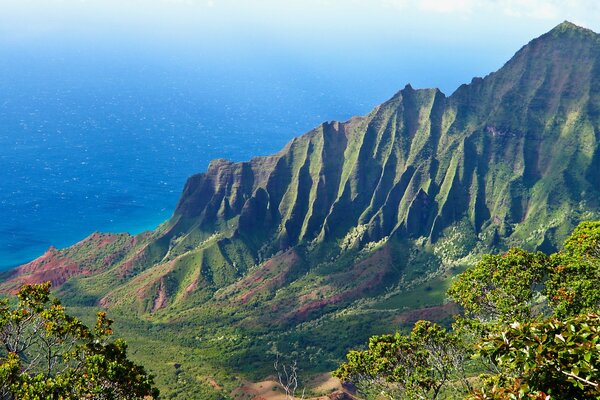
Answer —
428 42
291 19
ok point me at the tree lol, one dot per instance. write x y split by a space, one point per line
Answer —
503 287
287 376
416 366
540 330
557 359
47 354
514 286
572 285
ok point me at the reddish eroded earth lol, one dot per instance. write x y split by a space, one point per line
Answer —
324 386
57 266
269 276
149 284
362 278
49 267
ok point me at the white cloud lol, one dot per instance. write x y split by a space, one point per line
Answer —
448 6
400 4
531 9
577 10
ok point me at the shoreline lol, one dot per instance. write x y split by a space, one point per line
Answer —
144 225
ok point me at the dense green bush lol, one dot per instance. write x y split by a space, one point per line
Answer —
47 354
553 357
418 365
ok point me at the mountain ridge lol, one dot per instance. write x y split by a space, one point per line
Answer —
349 217
314 189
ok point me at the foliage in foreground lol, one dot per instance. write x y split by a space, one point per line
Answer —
47 354
555 358
530 319
414 366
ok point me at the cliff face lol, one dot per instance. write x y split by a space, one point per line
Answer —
505 152
510 159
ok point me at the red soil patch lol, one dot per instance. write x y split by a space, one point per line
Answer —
271 275
326 387
161 297
192 286
364 277
148 287
214 383
129 265
55 266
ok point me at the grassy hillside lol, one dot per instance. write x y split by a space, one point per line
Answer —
353 229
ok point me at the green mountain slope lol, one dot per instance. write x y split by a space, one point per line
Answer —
507 152
357 222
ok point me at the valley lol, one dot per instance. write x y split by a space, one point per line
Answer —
353 229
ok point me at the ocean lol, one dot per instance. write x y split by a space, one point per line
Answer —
103 138
105 144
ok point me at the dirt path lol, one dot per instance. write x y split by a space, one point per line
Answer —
324 386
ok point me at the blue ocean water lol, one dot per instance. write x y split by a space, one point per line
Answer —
90 144
103 138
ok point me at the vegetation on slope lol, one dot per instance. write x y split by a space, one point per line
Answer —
352 225
530 322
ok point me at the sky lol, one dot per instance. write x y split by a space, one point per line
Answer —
426 42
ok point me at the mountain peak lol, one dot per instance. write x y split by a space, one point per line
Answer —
567 27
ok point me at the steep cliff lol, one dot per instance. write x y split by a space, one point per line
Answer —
509 159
